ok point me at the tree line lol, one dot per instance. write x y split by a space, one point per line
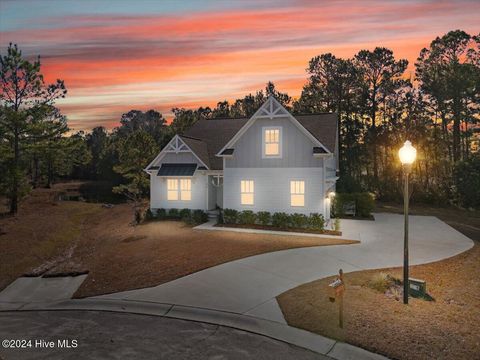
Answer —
379 103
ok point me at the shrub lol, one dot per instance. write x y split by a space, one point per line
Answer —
185 214
381 282
220 217
264 217
339 202
173 213
230 216
316 221
298 220
246 217
198 217
280 220
364 203
466 177
161 214
149 215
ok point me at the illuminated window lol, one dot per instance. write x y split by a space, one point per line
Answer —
297 193
172 189
184 192
271 142
246 192
186 189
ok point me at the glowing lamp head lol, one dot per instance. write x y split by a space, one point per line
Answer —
407 153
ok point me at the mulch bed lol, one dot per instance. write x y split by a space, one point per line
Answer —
273 228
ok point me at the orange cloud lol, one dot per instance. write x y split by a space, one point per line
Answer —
112 64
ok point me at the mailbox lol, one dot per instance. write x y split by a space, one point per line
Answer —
417 288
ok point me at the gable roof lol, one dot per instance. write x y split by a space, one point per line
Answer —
207 137
269 110
199 147
214 133
323 126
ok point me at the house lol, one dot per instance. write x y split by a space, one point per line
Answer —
273 161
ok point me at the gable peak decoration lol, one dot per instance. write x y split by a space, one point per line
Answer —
176 146
272 109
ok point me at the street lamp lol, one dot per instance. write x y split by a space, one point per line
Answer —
407 156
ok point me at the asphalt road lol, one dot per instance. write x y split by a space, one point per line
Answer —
109 335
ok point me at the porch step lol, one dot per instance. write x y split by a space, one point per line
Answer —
213 214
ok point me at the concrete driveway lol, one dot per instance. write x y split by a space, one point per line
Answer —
249 286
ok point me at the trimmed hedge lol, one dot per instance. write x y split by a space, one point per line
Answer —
298 220
193 217
246 217
316 221
185 214
279 220
364 203
230 216
264 217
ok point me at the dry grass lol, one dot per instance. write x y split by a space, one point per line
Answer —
447 328
158 252
72 237
41 235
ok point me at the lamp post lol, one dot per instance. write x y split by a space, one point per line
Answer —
407 156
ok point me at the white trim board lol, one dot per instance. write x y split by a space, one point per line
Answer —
176 145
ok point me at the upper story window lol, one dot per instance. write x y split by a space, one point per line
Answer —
272 142
246 192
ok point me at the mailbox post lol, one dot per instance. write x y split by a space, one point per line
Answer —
338 287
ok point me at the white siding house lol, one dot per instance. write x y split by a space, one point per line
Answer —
273 161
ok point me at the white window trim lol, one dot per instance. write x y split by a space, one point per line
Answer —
304 192
178 188
253 193
187 191
280 142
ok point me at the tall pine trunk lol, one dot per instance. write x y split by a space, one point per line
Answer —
14 193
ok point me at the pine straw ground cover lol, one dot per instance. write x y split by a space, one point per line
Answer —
61 237
447 328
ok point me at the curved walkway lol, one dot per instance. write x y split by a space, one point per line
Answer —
249 286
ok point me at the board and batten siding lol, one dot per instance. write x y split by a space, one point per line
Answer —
158 194
297 148
272 189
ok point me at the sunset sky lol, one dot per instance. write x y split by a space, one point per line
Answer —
120 55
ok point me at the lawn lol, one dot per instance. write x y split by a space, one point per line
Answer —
447 328
71 237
